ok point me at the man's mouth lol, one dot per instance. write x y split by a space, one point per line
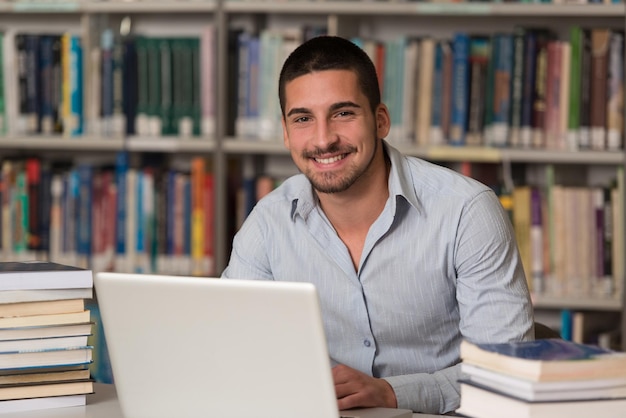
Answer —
330 160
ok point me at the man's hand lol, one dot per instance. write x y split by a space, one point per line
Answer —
358 390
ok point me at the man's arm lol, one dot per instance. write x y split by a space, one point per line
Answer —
493 298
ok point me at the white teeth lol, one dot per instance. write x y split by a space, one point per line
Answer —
329 160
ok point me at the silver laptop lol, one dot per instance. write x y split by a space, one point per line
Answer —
206 347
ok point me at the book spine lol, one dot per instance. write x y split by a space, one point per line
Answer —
502 91
166 102
615 93
539 93
121 170
131 83
584 133
600 41
426 64
436 130
32 84
517 83
46 83
460 89
33 179
197 215
478 62
575 82
207 87
142 78
530 43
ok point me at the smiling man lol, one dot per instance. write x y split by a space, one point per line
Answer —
408 257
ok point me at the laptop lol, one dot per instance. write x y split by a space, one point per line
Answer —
208 347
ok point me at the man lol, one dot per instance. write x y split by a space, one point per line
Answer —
408 257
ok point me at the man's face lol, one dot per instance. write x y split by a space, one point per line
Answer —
330 129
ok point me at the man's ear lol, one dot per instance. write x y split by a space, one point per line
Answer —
383 121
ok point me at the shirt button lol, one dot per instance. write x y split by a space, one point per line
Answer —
367 343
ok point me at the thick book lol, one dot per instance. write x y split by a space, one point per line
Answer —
16 275
43 320
41 307
44 375
26 391
483 403
545 391
546 360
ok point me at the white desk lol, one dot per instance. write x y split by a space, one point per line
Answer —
102 404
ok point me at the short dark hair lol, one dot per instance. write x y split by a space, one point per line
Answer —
330 53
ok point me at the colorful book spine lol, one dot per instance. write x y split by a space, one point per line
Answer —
502 88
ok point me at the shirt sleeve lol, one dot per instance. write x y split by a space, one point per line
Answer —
434 393
492 292
493 299
248 258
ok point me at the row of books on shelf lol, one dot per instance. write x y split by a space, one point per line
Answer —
45 332
542 378
570 239
524 88
139 85
109 217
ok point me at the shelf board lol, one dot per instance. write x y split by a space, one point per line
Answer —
235 145
52 143
170 144
169 6
591 304
404 8
564 157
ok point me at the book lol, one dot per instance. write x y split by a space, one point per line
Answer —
545 391
35 295
546 360
41 308
480 402
44 375
460 88
50 319
51 357
34 404
38 344
23 275
24 391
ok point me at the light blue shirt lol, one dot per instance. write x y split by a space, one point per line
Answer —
439 264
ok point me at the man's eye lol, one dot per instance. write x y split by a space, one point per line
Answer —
345 113
302 119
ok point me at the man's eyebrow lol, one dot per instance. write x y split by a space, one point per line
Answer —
298 110
342 105
333 107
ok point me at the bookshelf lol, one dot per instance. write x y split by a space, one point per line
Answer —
380 20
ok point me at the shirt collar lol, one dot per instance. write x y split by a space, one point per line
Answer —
400 182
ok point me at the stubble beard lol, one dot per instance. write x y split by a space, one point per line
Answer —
330 182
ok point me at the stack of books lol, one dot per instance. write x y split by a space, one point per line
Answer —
44 327
542 378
